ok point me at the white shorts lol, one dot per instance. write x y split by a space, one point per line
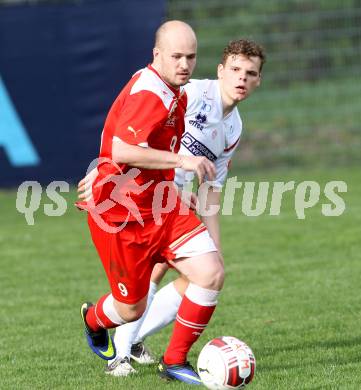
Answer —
198 245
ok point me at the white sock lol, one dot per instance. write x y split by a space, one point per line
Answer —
124 335
162 311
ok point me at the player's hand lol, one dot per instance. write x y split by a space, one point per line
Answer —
85 192
200 165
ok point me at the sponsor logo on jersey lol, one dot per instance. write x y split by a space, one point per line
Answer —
206 107
135 132
197 148
171 121
198 121
201 118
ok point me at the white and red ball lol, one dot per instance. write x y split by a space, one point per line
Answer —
226 363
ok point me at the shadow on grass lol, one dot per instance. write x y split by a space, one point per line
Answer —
327 344
313 347
311 363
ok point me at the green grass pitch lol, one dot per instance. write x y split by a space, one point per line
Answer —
292 292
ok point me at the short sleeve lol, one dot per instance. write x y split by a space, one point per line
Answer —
182 177
140 114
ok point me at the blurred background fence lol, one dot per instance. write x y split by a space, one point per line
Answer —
307 110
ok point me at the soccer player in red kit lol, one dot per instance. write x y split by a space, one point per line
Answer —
140 141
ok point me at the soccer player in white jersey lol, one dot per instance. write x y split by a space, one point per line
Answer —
212 129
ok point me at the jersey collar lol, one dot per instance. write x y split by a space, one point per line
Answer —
174 90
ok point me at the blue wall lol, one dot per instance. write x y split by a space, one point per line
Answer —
61 66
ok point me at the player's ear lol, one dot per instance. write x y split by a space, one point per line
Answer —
259 80
155 52
220 69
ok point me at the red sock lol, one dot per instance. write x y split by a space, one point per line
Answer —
103 315
191 321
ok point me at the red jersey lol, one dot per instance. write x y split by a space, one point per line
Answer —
147 112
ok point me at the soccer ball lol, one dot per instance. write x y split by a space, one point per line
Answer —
226 363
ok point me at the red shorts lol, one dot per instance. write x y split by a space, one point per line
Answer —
129 256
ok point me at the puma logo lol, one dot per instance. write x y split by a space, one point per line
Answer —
135 132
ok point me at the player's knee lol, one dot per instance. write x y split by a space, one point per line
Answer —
133 313
132 316
217 279
213 277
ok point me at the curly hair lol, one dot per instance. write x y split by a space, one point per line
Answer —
244 47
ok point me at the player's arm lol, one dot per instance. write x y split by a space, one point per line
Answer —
142 114
149 158
213 201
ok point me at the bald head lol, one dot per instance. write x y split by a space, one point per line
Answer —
173 29
174 53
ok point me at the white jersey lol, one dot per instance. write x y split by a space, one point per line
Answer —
207 133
